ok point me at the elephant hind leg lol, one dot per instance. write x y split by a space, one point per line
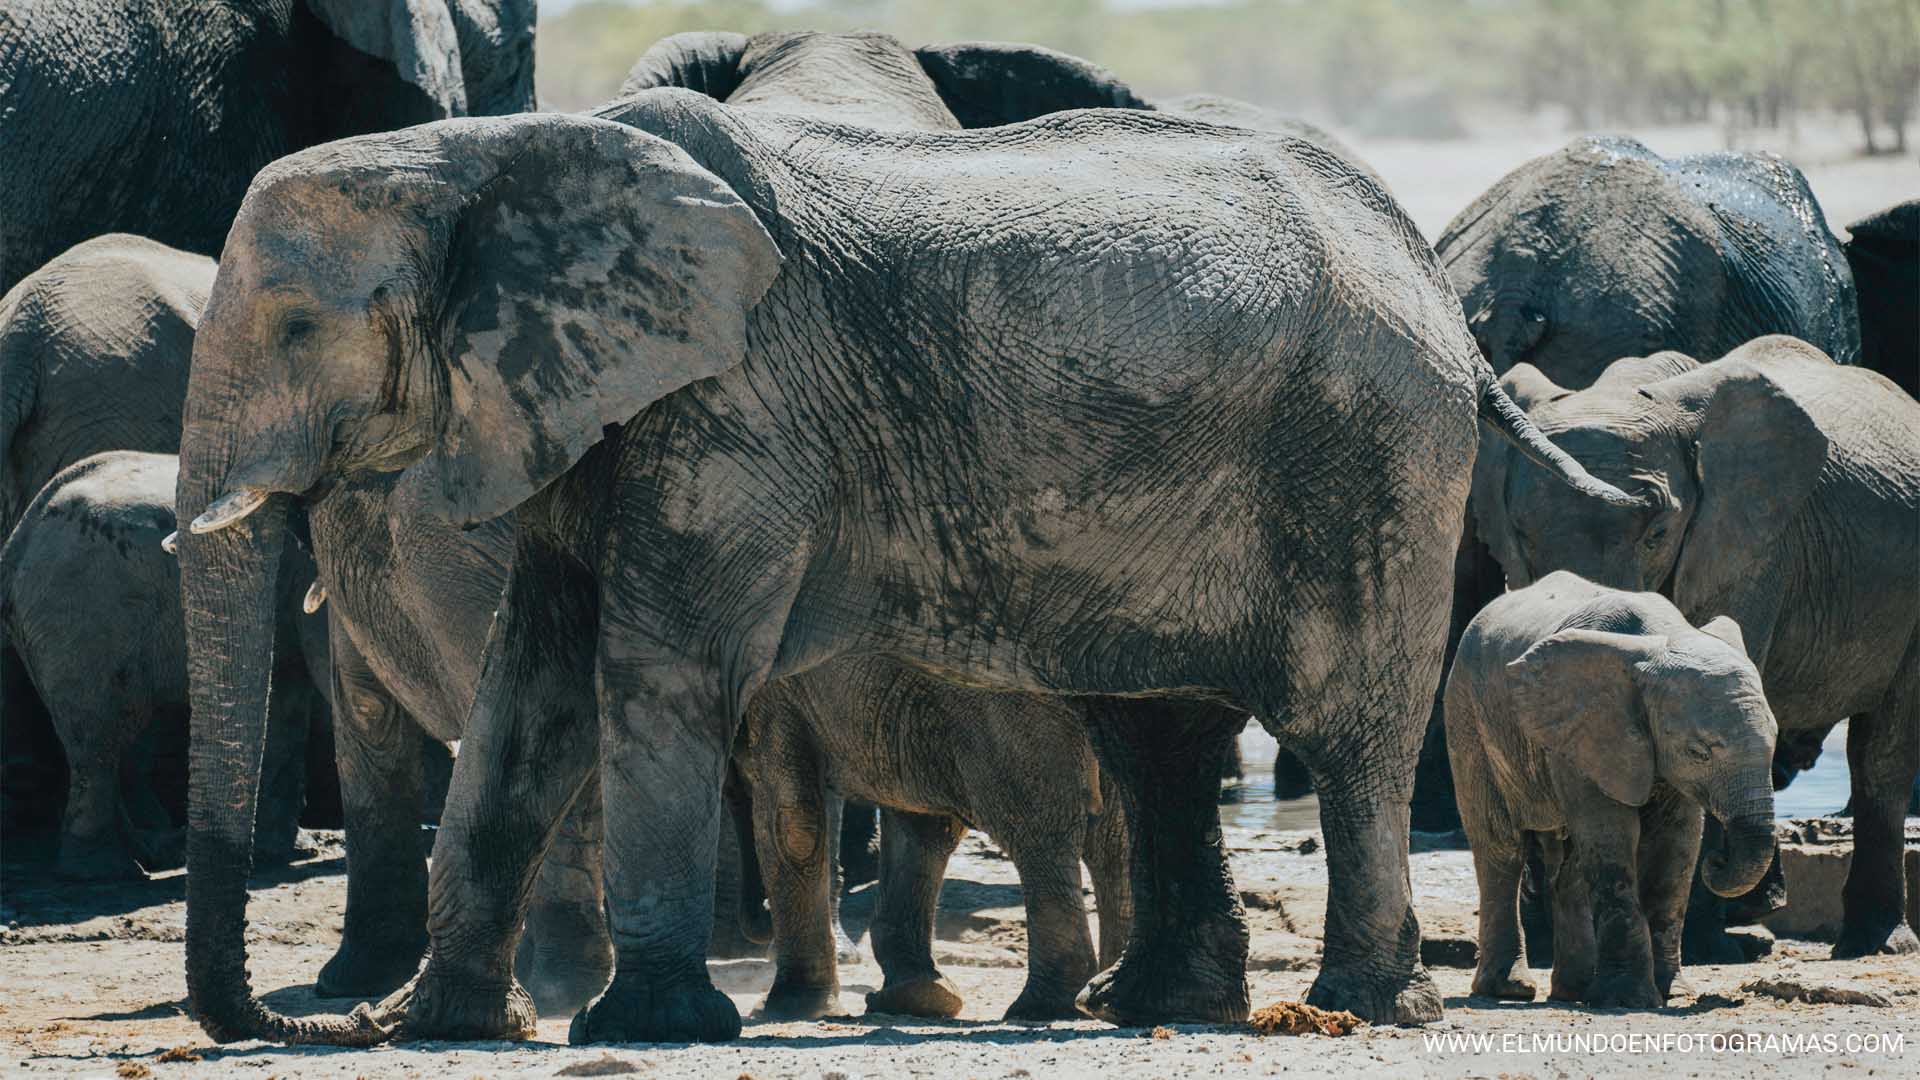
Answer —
95 835
565 956
1883 756
1186 952
1108 856
914 850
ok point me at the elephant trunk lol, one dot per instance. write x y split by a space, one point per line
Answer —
1746 846
230 598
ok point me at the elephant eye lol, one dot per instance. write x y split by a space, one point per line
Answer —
296 329
1655 533
1700 751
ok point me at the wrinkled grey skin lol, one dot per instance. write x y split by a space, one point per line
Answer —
1884 251
939 759
751 418
1605 722
151 116
1231 112
1604 249
94 349
1778 489
92 604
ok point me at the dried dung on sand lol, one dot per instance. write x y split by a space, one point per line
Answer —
1297 1018
1789 990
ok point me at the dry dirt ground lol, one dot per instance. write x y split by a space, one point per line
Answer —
90 984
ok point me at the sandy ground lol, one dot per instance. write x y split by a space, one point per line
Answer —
91 984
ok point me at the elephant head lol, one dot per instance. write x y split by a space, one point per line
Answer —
476 300
982 84
1627 709
1720 459
1604 249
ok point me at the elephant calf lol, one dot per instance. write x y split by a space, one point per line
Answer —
92 604
936 758
1603 722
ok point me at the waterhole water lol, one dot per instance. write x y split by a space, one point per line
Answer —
1819 792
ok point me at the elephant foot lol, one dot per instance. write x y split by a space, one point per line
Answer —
791 1000
929 995
630 1013
1407 1000
1158 990
161 849
441 1006
1043 1005
1624 992
1672 984
1504 986
361 968
107 859
1896 939
845 949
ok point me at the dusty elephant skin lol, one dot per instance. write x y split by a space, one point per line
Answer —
823 472
120 120
939 758
1606 723
1781 490
1605 249
92 605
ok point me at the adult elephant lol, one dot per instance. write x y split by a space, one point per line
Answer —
1604 249
751 416
1779 489
151 117
1884 251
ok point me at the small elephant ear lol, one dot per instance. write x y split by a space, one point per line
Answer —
1757 457
590 269
1576 695
704 60
990 83
417 38
1728 631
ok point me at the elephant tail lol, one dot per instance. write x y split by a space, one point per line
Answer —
1499 412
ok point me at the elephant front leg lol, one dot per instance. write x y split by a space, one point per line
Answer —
526 758
1607 843
792 831
1669 848
666 733
1883 756
914 850
377 746
565 956
1060 956
1186 955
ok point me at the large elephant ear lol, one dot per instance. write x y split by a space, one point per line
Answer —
590 269
413 39
990 83
1578 696
496 54
1757 457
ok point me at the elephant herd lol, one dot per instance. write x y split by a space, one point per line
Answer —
952 430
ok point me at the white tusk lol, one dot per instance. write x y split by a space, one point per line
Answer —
228 509
316 595
170 543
